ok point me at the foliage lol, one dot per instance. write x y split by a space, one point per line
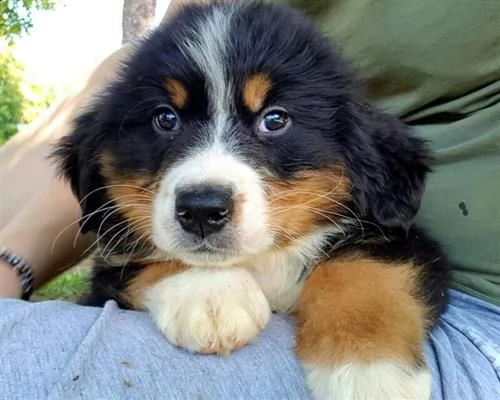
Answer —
11 95
37 98
20 101
15 16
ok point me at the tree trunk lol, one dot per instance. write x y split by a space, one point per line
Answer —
137 17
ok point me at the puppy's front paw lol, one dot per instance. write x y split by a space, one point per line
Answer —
209 311
383 380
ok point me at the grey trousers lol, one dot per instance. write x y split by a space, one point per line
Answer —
56 350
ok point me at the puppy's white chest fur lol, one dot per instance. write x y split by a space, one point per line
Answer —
281 273
278 274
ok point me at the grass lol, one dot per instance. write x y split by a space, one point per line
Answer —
68 286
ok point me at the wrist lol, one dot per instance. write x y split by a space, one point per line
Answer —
23 245
10 282
22 269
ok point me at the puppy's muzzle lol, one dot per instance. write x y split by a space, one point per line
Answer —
204 210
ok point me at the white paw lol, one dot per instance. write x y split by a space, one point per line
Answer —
209 311
384 380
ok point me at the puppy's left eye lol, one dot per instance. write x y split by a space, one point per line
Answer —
274 121
165 119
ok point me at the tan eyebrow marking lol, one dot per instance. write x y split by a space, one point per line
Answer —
255 90
178 92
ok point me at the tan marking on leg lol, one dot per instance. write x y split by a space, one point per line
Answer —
255 90
360 310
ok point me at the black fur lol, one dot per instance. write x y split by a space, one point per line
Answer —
399 245
110 283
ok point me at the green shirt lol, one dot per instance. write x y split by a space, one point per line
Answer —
436 65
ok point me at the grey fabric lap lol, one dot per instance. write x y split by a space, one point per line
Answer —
56 350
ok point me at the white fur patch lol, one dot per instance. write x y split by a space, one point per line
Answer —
208 311
208 50
384 380
279 272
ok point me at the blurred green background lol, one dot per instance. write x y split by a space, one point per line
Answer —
21 101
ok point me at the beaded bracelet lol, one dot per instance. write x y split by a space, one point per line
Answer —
23 270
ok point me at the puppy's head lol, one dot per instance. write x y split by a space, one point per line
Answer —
235 130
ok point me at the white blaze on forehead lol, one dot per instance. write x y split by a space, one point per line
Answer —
208 50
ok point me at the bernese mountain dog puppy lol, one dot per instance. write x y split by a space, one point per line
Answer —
233 169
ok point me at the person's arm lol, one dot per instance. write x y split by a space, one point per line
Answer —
38 211
24 165
46 235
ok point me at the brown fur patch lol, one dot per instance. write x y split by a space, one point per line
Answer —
148 277
360 310
298 205
178 92
255 90
133 194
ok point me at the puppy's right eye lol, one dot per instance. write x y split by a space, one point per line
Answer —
165 119
273 121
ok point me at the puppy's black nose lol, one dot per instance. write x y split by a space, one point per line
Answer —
203 210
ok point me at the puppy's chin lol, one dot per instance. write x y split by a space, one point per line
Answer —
225 249
207 255
206 259
213 253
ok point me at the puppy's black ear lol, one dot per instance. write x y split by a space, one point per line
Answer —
389 169
75 157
